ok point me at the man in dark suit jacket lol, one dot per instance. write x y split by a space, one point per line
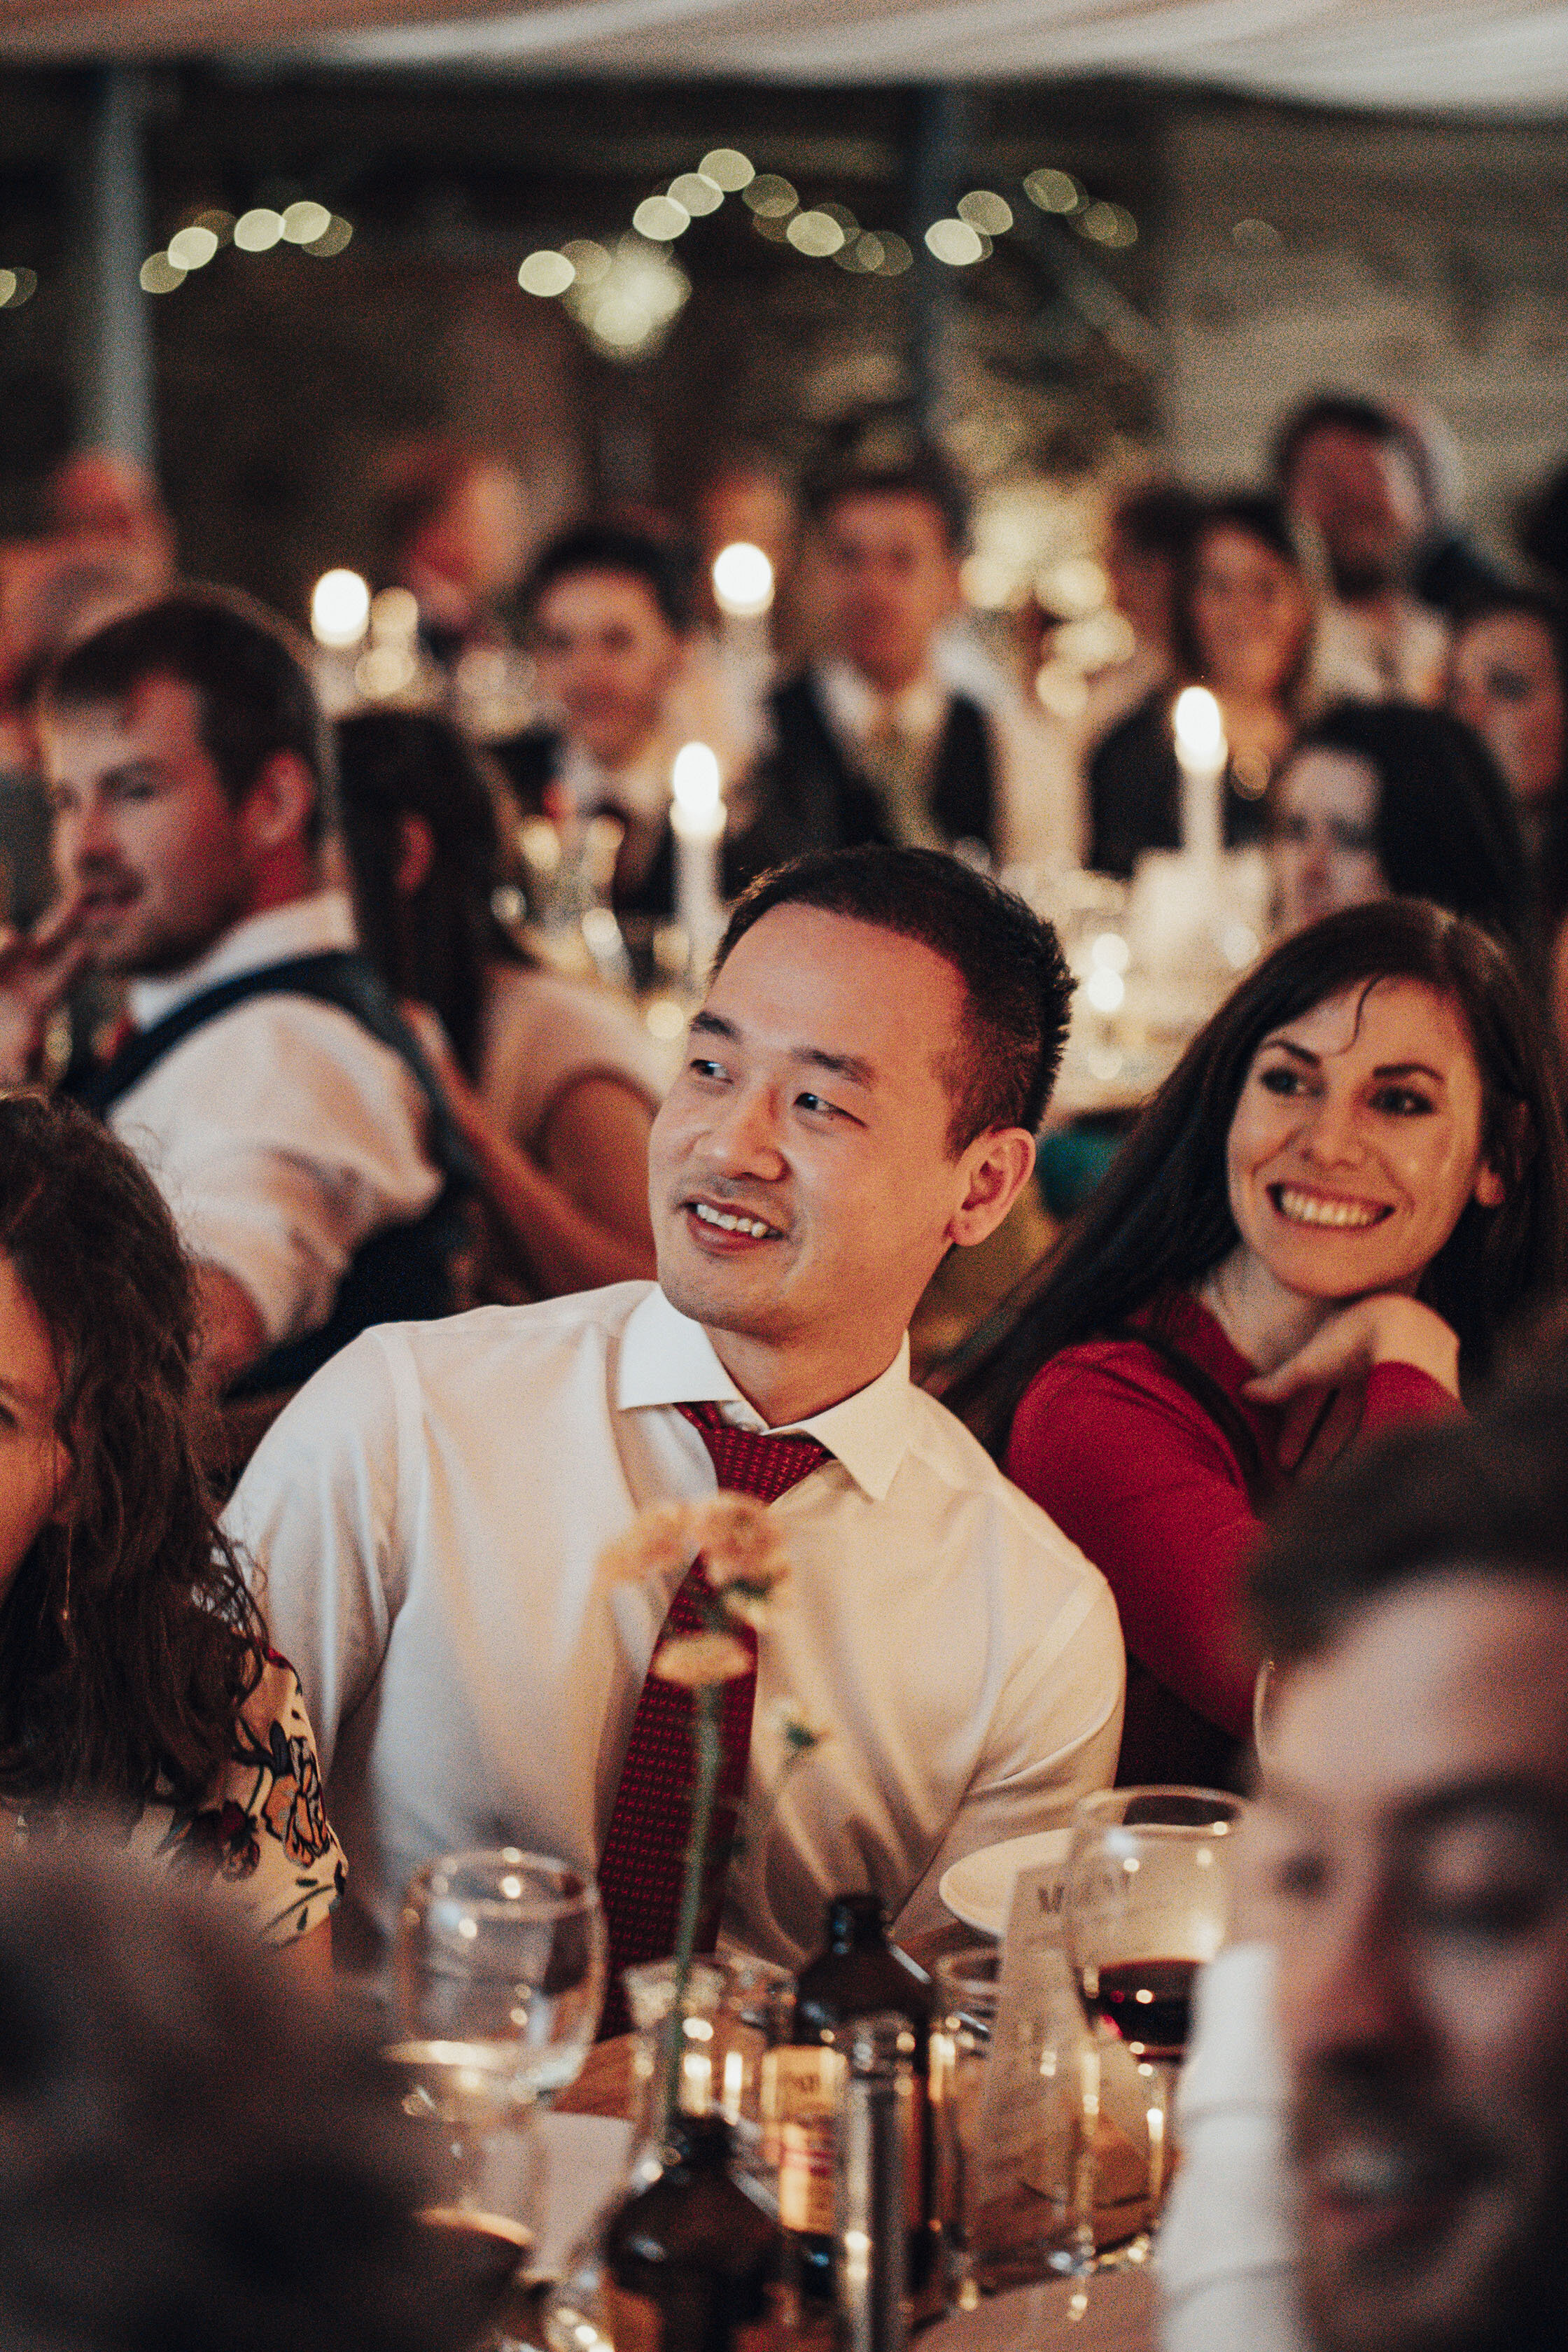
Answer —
874 744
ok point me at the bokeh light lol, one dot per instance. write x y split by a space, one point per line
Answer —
305 221
259 230
696 194
159 275
955 242
193 247
728 169
982 209
1054 192
589 259
770 197
660 218
815 234
333 239
340 609
546 273
743 580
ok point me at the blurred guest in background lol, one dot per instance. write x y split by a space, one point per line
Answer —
1354 1180
134 1677
872 742
1507 678
552 1082
623 678
1243 626
267 1083
1387 800
454 525
1149 536
1367 481
1410 1848
189 2156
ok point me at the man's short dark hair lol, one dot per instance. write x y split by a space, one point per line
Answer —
250 677
1345 412
1486 1496
665 570
1017 985
1161 518
925 473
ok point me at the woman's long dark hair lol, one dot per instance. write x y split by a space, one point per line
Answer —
1258 517
1161 1219
1445 824
435 942
128 1639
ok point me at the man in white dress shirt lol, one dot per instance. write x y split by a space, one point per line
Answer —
860 1094
188 765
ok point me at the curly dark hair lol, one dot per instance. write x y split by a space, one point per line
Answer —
129 1641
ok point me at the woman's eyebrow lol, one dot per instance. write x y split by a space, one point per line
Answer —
1288 1046
1410 1070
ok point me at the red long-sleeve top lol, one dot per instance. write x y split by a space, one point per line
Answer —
1130 1464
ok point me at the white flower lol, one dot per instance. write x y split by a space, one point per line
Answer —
697 1660
738 1543
659 1539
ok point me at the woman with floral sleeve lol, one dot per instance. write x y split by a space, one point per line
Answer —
135 1682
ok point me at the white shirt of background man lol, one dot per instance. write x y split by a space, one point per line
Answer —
427 1519
281 1133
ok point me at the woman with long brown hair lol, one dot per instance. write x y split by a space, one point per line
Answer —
1355 1180
136 1679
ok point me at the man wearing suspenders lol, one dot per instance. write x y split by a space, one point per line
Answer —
259 1072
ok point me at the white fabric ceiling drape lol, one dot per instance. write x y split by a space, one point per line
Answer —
1465 56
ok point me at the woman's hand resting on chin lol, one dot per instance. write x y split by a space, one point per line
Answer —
1323 1385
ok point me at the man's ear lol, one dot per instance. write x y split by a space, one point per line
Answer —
278 808
996 1167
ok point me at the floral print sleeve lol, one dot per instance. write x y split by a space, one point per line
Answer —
261 1837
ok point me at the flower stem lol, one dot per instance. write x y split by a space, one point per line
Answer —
705 1731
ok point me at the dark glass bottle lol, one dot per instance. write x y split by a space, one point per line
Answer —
860 1975
691 2260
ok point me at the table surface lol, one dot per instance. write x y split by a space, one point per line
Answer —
1112 2312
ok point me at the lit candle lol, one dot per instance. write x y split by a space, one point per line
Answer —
697 820
1201 753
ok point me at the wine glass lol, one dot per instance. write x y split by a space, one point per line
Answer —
498 1970
1147 1903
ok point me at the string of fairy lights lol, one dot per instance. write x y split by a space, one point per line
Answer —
625 295
313 228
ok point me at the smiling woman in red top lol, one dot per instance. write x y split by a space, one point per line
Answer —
1351 1183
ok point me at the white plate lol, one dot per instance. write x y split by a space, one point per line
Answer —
979 1889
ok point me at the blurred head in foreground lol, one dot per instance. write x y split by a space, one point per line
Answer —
191 2157
1415 1835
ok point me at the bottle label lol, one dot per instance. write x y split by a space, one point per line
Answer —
801 2091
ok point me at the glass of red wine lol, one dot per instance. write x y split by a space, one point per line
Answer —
1146 1903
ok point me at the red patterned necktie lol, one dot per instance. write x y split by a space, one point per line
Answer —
644 1856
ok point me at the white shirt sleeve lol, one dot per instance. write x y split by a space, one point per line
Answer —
314 1521
1055 1738
282 1135
1226 2251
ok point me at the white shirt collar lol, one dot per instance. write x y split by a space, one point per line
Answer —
304 927
854 707
667 1359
